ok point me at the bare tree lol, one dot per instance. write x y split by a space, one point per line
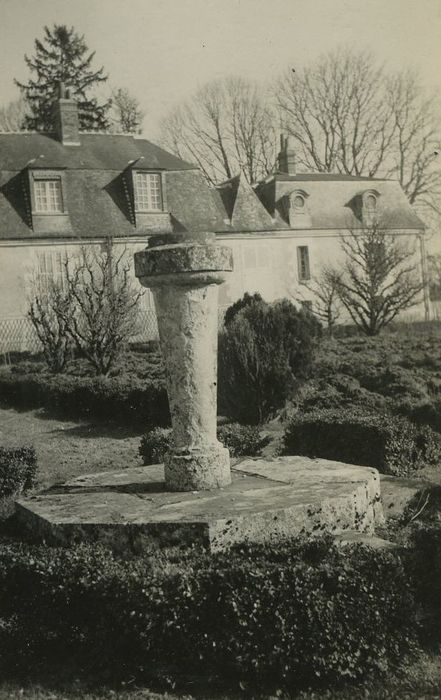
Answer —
349 115
414 160
105 303
326 304
225 127
49 309
12 115
378 279
126 113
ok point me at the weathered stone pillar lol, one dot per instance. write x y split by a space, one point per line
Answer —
183 270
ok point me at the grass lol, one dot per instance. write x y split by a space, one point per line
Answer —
66 449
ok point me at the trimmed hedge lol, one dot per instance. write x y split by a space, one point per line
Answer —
122 399
290 615
390 443
18 467
425 570
241 440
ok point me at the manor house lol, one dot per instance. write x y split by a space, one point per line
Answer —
62 190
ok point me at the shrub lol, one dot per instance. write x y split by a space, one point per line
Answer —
18 467
264 352
266 616
240 439
428 445
122 399
154 445
394 382
336 391
424 412
101 309
247 300
28 367
425 570
390 443
46 312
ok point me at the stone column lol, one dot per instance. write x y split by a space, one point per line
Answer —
183 271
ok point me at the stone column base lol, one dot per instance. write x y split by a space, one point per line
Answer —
199 469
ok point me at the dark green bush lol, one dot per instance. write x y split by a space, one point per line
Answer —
290 615
246 300
241 440
122 399
401 373
425 570
265 351
424 412
390 443
336 391
154 445
18 467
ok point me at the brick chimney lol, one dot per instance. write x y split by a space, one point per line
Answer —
287 156
67 126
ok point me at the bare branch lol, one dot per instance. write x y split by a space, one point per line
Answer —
349 115
225 127
105 305
378 278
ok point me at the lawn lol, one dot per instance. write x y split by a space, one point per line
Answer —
65 448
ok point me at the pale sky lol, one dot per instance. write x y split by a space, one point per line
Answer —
162 50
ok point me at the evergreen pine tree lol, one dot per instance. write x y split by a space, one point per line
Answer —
62 57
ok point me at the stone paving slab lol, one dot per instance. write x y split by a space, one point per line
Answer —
267 500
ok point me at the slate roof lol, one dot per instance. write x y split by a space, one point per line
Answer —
96 152
94 192
332 200
243 208
309 177
97 201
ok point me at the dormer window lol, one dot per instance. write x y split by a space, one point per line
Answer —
146 196
148 192
297 209
369 210
370 202
47 195
298 202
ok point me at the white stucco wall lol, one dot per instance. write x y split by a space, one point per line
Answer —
269 264
264 263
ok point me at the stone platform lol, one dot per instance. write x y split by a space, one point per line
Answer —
268 500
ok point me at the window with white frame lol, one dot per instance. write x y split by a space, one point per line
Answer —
48 197
51 270
303 263
148 192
